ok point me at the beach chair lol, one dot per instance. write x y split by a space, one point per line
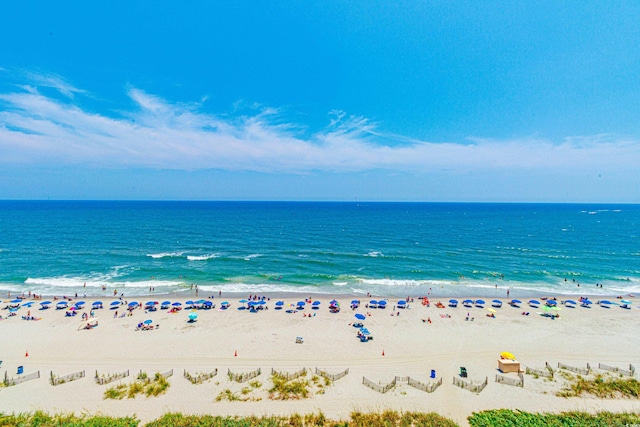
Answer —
299 340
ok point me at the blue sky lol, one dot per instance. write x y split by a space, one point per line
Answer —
289 100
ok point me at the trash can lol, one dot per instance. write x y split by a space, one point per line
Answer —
20 369
433 373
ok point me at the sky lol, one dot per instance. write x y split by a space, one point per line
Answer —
463 101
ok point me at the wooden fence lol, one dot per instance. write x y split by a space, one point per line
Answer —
108 378
245 376
476 388
429 388
287 376
332 377
66 378
199 378
630 372
574 369
547 372
19 380
518 382
167 374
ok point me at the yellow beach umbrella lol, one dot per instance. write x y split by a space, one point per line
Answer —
507 355
491 310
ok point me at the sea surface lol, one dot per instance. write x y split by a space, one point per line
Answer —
387 249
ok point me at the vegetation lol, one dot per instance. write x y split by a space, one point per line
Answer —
605 387
143 385
493 418
504 418
40 419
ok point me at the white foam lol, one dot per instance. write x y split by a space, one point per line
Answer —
252 256
202 257
374 254
166 255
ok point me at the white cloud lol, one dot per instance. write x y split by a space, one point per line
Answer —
36 129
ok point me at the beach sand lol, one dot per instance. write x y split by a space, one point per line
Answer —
241 341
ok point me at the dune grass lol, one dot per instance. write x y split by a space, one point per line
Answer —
143 385
604 387
41 419
509 418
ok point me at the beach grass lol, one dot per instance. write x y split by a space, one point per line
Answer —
143 385
41 419
509 418
605 387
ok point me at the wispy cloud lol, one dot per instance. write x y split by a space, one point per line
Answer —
38 129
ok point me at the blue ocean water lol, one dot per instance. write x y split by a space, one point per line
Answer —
390 249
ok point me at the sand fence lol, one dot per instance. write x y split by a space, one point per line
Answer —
580 371
57 380
383 388
517 382
245 376
469 385
107 378
331 377
287 376
199 378
628 372
19 380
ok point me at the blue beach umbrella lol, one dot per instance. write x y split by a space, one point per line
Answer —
552 302
360 316
243 301
569 301
374 302
96 303
166 302
148 322
516 301
114 303
383 302
79 303
534 302
587 302
402 302
279 303
45 303
16 301
355 301
480 302
28 304
193 316
605 302
301 303
133 303
333 301
263 302
176 304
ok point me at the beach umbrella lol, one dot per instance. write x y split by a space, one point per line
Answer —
243 301
625 301
480 302
28 304
151 303
467 301
176 304
133 304
315 303
360 316
507 355
365 331
383 302
79 303
74 308
534 302
166 302
491 310
516 301
333 301
201 301
587 302
193 316
148 322
96 303
208 303
453 301
16 301
374 302
496 301
552 302
301 303
279 303
355 301
569 301
45 303
114 303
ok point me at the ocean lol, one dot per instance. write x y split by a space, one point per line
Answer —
386 249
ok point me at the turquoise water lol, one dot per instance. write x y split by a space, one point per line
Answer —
394 249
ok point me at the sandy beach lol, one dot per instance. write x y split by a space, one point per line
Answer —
242 341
